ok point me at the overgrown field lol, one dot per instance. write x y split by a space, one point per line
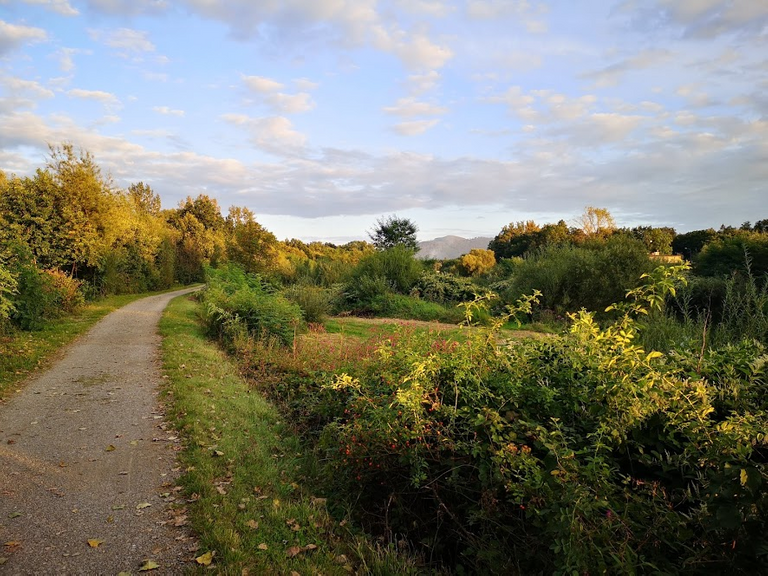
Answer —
577 453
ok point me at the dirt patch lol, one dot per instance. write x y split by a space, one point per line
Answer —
87 466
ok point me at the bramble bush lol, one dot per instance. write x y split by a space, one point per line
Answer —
237 305
576 454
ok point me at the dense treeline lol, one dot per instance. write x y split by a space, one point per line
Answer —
68 234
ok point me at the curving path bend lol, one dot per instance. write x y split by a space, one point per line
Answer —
85 455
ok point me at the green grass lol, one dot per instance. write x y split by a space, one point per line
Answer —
252 502
22 353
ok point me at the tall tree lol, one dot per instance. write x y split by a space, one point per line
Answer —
596 221
393 231
515 239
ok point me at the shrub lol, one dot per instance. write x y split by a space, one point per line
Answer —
392 270
410 308
591 276
728 254
238 305
67 293
8 287
445 288
314 301
576 454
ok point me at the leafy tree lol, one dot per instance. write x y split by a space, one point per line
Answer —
144 199
393 231
596 222
726 255
655 239
690 244
477 262
515 239
250 245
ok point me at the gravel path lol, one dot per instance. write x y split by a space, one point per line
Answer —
85 455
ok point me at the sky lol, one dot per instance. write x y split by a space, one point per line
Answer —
323 116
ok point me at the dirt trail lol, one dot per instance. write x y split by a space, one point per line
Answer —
84 449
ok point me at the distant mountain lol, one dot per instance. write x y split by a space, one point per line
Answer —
449 247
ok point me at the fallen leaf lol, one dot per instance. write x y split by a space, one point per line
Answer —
262 546
180 520
220 490
293 551
14 515
109 448
294 573
118 506
310 547
12 544
252 524
149 565
143 505
124 574
206 559
95 543
3 560
218 453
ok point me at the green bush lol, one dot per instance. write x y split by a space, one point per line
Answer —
8 287
446 288
590 276
392 270
36 298
411 308
738 253
579 454
238 305
314 301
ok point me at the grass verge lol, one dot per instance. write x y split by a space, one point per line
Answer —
22 353
251 503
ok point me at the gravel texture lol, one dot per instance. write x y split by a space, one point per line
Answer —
85 454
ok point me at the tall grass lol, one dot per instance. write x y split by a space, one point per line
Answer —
741 314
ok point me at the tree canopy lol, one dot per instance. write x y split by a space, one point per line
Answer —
393 231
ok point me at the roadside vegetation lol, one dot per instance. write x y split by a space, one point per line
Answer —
630 438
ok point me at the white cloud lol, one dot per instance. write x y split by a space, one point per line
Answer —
291 103
106 98
267 91
612 74
126 40
165 110
62 7
415 127
416 51
261 84
409 107
420 83
19 86
711 18
128 7
305 85
274 134
12 36
495 9
434 8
